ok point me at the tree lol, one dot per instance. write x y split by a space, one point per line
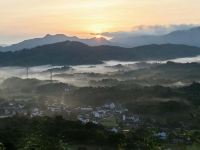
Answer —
38 141
2 147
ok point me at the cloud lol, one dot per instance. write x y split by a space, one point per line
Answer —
148 30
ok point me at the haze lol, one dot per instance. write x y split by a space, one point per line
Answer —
22 19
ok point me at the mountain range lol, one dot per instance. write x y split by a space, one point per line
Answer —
187 37
50 39
77 53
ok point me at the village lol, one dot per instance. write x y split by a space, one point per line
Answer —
110 115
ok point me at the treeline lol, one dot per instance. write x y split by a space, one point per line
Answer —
52 133
129 93
44 133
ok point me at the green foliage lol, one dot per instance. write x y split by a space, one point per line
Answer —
44 133
193 147
2 147
141 139
37 141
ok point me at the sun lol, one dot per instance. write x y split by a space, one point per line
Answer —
98 36
97 29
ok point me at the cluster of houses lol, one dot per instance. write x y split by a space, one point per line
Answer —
110 114
8 109
12 108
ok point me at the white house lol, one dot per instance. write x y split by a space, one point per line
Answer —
131 118
96 114
110 106
161 135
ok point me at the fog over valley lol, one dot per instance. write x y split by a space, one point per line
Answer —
80 75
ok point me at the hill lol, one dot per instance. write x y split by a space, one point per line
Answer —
76 53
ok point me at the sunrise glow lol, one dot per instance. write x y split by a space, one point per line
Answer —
27 19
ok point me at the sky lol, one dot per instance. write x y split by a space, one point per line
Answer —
22 19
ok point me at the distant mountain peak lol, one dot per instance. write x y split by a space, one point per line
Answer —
188 37
56 35
51 39
196 28
47 35
99 38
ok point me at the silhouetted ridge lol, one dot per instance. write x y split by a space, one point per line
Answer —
76 53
